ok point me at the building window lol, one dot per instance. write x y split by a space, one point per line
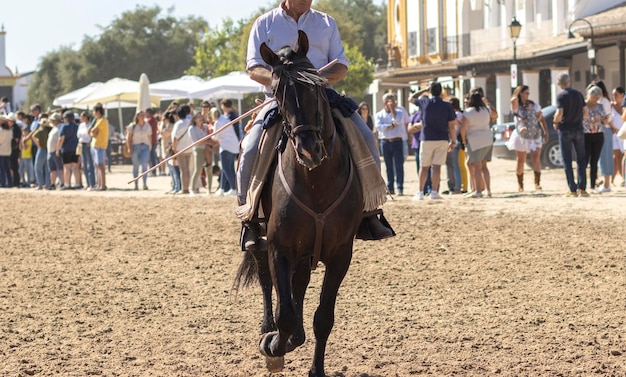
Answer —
412 44
432 40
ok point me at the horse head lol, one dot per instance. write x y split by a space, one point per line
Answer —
301 96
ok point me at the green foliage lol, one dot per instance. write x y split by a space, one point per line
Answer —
361 23
218 51
360 74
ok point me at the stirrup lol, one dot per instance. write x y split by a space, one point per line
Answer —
373 227
251 235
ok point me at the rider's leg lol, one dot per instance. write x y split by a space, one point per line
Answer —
368 136
250 231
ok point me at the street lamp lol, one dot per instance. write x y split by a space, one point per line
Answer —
591 52
514 28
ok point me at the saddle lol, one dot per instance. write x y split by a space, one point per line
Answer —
374 188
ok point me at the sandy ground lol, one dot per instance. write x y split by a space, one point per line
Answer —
125 283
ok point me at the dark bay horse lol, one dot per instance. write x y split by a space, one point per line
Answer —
312 202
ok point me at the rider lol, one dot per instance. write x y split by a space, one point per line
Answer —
279 28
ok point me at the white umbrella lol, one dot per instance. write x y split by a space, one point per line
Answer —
68 99
177 88
116 90
233 85
144 93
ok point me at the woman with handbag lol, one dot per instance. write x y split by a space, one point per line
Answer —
138 144
527 137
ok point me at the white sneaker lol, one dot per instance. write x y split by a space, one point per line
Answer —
602 189
435 195
230 192
219 192
419 196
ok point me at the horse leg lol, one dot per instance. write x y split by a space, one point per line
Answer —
325 314
273 344
265 279
301 278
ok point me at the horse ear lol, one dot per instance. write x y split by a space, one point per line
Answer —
268 55
303 43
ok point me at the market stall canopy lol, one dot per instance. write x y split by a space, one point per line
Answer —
176 88
116 90
68 99
233 85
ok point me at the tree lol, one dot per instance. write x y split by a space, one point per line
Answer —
361 23
139 41
360 74
218 51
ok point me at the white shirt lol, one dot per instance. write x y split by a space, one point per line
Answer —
384 119
53 138
140 134
278 30
83 133
227 138
180 133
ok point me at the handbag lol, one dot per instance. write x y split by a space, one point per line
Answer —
79 149
127 149
621 134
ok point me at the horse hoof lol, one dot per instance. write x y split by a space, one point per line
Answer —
275 364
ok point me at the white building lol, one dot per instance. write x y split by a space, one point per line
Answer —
466 43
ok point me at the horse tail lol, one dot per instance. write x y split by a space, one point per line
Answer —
248 271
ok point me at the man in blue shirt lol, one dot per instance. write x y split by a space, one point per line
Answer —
391 124
437 137
568 120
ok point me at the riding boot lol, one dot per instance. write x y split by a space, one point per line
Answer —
520 182
537 180
251 237
374 228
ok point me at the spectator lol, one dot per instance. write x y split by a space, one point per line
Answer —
26 168
154 125
568 121
438 120
5 153
55 162
66 149
165 128
606 154
461 174
86 156
16 139
40 138
529 124
594 121
5 106
476 135
229 151
138 144
197 131
391 124
618 145
100 140
181 140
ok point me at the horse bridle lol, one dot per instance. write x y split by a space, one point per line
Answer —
287 72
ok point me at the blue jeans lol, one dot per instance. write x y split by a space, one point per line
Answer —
42 173
393 154
88 166
175 173
6 179
575 139
228 170
27 171
456 168
140 156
